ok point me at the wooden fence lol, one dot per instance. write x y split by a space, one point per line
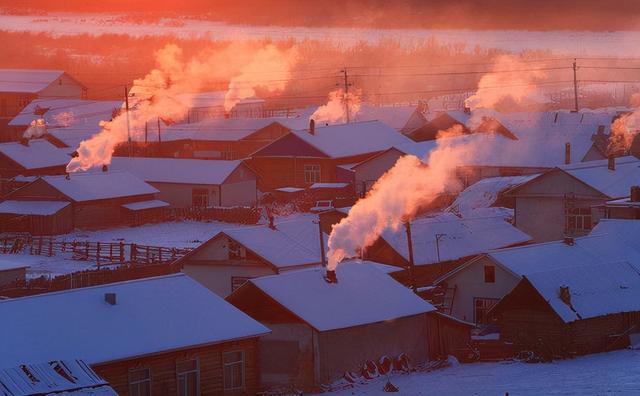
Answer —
235 214
103 253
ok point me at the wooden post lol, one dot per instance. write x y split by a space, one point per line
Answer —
121 252
50 247
133 253
86 249
147 255
98 255
110 252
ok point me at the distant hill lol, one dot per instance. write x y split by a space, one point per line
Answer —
474 14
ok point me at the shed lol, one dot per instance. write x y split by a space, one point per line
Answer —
36 217
187 183
31 158
149 346
573 311
321 330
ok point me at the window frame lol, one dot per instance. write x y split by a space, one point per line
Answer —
578 219
312 173
242 366
489 274
131 382
186 373
235 285
485 308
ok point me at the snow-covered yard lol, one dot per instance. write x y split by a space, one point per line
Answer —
47 266
614 373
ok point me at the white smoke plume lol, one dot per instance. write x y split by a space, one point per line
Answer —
157 93
64 119
335 110
36 129
267 61
623 132
503 84
410 185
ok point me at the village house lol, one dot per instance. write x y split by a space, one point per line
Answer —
209 105
58 377
231 257
463 122
11 270
622 208
322 330
559 202
564 312
476 286
80 200
403 118
314 155
185 183
148 336
66 122
219 139
18 87
35 157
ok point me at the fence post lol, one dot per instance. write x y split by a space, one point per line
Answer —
110 252
121 252
98 255
147 255
40 247
133 253
50 247
86 249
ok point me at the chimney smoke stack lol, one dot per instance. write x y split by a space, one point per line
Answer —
567 153
312 127
331 277
611 162
569 241
110 298
105 168
467 109
271 223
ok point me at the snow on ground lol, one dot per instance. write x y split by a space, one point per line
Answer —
614 373
48 266
178 234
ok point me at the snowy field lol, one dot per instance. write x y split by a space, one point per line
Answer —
619 43
614 373
179 234
47 266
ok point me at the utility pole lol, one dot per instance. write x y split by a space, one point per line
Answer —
346 94
412 275
438 238
575 84
159 135
126 101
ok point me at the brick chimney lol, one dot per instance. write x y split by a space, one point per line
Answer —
312 127
110 298
331 277
611 163
567 153
634 195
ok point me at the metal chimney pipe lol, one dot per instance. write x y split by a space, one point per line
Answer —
567 153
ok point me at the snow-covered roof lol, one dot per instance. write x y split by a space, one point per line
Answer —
289 189
89 186
595 290
628 230
151 204
176 170
212 99
27 80
39 153
345 140
394 116
462 237
484 193
149 317
363 295
328 185
73 136
215 129
543 257
10 262
624 203
40 208
68 376
67 113
612 183
294 242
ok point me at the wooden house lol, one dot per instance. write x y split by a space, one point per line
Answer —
149 336
231 257
35 157
304 157
464 122
87 199
475 287
187 183
559 202
18 87
322 330
11 269
216 139
565 312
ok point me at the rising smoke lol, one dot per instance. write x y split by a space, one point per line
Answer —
36 129
174 76
335 110
410 185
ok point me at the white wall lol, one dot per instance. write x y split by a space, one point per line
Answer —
217 276
470 284
180 195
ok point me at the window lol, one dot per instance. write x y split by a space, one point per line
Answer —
237 281
578 219
188 373
233 364
200 197
482 307
489 274
312 173
140 382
